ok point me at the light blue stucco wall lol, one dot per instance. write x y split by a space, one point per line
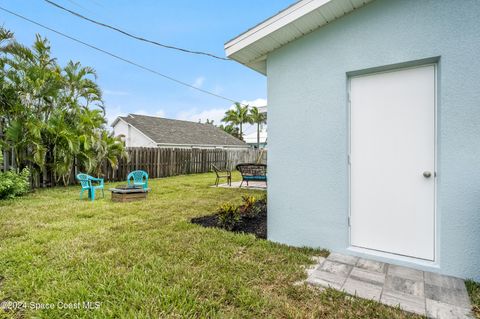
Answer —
308 127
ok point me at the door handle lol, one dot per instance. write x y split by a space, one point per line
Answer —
427 174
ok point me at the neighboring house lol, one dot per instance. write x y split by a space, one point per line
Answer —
374 128
251 138
151 131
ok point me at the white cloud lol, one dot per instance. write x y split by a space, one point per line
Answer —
198 83
257 102
194 115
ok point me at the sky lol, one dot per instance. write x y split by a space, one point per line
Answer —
195 25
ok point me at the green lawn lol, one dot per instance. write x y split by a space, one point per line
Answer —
474 292
145 260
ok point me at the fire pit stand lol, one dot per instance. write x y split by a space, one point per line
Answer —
128 193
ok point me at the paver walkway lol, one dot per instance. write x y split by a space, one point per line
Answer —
421 292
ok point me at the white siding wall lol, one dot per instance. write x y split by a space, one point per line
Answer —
133 137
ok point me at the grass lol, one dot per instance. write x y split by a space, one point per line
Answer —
473 289
145 259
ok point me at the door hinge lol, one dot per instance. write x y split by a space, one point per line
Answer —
349 224
348 159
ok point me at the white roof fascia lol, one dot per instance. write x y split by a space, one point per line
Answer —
274 23
263 33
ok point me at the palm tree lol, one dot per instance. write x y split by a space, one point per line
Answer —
238 116
31 82
109 149
89 123
257 118
52 118
80 89
5 37
230 129
63 137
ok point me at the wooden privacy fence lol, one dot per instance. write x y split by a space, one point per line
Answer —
163 162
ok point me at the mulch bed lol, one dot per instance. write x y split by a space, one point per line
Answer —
253 225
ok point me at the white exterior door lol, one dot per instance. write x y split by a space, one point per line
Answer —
392 162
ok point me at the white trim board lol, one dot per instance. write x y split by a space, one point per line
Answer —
251 47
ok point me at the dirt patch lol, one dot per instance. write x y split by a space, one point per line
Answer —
252 225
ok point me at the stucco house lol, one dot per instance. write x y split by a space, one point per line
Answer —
382 102
151 131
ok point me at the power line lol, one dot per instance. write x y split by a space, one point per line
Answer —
119 57
135 36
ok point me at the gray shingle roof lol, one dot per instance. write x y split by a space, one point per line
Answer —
167 131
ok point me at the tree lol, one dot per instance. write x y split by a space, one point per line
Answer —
52 117
231 129
238 116
108 149
31 78
80 89
257 118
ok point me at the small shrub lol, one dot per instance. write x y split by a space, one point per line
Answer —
249 200
252 206
249 208
14 184
262 202
228 216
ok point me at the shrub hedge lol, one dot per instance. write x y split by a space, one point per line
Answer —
14 184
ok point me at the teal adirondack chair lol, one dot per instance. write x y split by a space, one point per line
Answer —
86 181
139 178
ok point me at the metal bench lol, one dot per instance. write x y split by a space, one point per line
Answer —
252 172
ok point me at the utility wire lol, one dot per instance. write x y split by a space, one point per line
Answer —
120 58
135 36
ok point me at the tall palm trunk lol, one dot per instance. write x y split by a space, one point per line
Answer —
258 135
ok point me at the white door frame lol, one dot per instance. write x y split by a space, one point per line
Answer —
435 218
